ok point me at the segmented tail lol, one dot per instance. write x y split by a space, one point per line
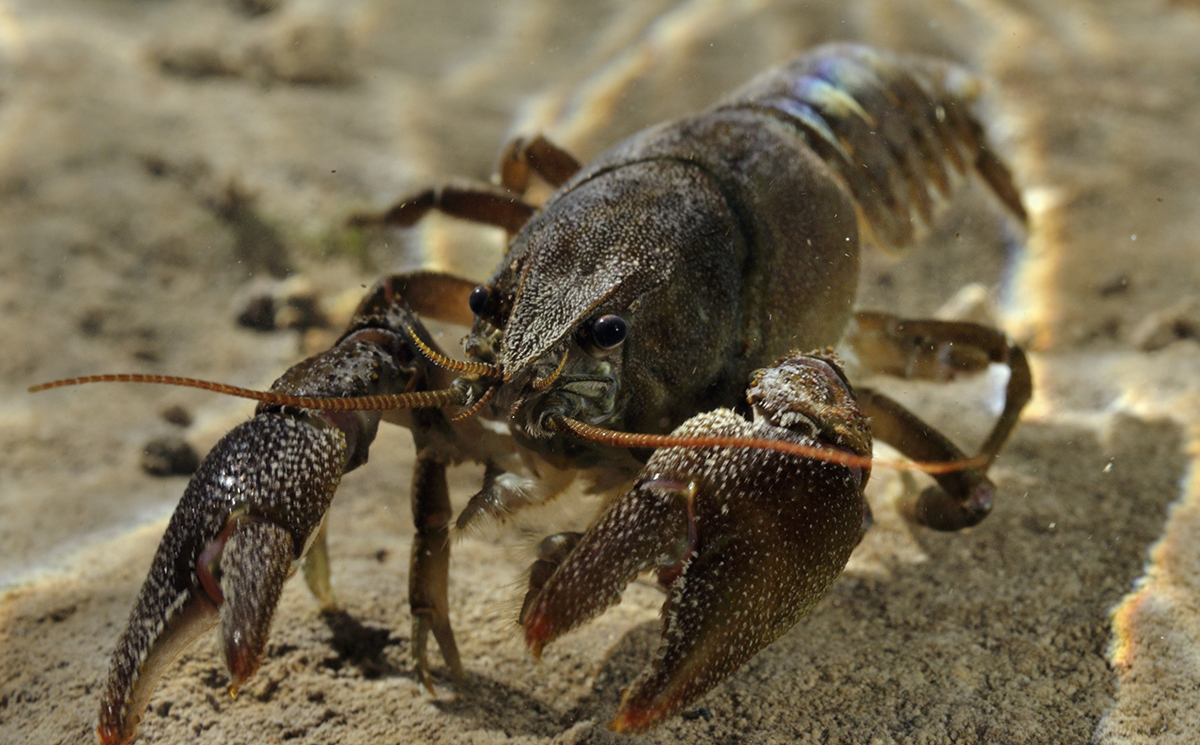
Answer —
895 129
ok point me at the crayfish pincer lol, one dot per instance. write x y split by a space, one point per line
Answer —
256 507
636 301
745 541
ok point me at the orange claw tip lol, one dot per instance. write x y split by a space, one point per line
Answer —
538 633
109 733
242 664
632 721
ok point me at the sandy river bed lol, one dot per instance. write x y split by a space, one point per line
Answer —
163 161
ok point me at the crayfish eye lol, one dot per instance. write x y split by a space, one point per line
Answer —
477 301
609 331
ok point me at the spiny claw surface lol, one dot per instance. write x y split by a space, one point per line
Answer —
257 560
646 528
747 541
243 521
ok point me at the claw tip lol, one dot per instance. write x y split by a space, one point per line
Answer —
242 664
981 498
538 630
632 722
109 734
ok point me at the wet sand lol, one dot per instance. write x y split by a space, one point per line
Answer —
160 163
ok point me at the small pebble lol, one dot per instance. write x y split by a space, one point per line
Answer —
170 455
1176 323
177 415
259 314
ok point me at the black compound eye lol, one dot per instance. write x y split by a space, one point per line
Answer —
478 299
609 331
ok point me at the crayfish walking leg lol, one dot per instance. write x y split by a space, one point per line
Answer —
938 351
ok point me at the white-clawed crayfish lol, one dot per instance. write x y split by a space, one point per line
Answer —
638 300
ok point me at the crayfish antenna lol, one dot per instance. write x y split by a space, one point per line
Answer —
388 402
600 436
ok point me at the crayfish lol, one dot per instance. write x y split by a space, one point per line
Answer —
641 330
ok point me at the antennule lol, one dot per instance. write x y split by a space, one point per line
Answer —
414 400
487 396
477 368
600 436
542 384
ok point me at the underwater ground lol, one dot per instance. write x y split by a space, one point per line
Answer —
165 162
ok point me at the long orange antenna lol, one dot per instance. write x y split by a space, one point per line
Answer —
633 440
414 400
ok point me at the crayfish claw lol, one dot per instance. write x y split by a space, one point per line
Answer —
244 519
141 659
745 540
764 557
552 551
